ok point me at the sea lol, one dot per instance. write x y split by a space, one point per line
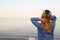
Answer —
22 29
23 39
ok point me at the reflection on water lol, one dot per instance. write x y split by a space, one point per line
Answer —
31 38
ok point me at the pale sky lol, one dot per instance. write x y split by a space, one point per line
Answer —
28 8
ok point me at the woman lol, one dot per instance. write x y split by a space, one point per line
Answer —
46 27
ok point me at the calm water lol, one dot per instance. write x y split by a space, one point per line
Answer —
12 39
16 29
21 39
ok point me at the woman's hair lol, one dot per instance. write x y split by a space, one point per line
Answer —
47 26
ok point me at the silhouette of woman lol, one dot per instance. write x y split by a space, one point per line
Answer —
47 25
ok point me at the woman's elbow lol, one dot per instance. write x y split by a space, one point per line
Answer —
31 19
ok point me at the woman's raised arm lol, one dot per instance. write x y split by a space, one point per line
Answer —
35 20
53 19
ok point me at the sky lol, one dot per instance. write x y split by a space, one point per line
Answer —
14 14
27 8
